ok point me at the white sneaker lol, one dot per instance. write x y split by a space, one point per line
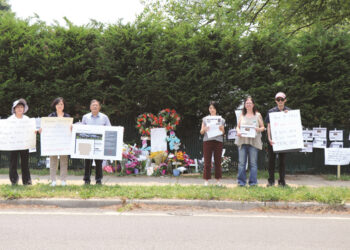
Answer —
53 184
206 183
63 183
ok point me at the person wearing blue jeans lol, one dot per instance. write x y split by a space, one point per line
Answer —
249 128
247 152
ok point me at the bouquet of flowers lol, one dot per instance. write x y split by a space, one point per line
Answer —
225 163
130 159
168 119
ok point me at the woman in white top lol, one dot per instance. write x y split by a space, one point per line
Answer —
19 108
249 146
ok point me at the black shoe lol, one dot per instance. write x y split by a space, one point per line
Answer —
270 184
87 183
14 183
282 184
98 183
27 183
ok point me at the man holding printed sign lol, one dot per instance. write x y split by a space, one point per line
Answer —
94 118
280 100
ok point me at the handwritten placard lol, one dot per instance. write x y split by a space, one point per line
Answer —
286 130
56 135
158 139
337 156
232 134
17 134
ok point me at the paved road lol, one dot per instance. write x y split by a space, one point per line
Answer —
292 180
105 229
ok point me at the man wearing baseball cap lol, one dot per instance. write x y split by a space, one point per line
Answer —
280 99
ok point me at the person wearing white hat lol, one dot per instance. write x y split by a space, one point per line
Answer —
19 108
280 99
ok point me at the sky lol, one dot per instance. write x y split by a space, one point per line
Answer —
79 12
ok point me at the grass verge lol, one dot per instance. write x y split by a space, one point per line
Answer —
327 195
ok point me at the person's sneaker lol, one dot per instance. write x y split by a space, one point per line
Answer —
87 183
206 183
218 184
53 184
98 182
270 184
282 184
14 183
63 183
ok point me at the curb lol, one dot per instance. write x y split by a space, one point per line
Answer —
98 203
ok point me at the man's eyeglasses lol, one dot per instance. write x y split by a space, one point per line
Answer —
279 99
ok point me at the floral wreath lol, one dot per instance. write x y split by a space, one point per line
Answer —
145 122
168 119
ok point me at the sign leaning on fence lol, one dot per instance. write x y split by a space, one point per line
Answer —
56 135
97 142
286 131
17 134
337 156
158 139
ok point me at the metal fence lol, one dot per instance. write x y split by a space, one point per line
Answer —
308 163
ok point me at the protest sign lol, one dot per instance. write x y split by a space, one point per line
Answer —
336 144
319 142
319 132
56 135
307 147
286 131
97 142
17 134
337 156
214 122
158 139
248 131
307 135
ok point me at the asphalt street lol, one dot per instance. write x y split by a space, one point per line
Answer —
107 229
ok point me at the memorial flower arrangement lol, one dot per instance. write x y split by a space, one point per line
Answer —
130 159
168 119
145 122
225 163
161 169
181 159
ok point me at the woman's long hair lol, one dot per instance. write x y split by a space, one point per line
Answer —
244 111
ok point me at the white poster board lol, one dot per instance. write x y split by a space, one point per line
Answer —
97 142
286 130
319 132
56 136
248 131
158 139
336 135
214 122
337 156
17 134
232 134
336 144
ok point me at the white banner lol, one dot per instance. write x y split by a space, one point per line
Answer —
97 142
56 136
286 130
17 134
337 156
158 139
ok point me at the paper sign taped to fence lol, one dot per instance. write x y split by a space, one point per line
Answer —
336 144
232 134
17 134
307 147
336 135
319 143
97 142
286 130
158 139
337 156
307 135
56 136
319 132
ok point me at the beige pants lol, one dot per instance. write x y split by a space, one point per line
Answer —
63 167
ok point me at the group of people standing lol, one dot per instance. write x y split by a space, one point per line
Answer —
248 147
95 117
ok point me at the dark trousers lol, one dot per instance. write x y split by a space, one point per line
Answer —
282 166
87 174
26 180
210 147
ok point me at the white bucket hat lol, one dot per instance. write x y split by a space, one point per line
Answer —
20 101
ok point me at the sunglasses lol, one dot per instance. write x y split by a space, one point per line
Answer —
279 99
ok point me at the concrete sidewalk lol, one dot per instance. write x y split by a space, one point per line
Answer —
292 180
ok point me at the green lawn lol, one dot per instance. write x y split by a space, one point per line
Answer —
327 195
